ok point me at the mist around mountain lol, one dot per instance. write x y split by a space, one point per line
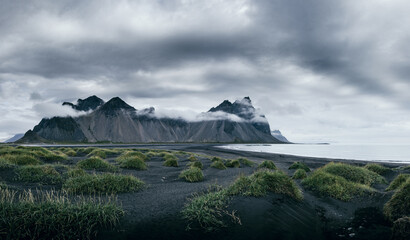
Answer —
116 121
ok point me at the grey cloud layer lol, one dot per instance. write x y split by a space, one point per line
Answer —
288 55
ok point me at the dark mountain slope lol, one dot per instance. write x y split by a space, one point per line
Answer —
116 121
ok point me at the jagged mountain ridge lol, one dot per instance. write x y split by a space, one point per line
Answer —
116 121
90 103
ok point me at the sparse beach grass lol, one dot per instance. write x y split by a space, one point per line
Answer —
268 164
398 181
264 181
45 174
103 183
133 160
377 168
300 165
246 162
196 164
192 174
28 216
218 164
399 204
342 181
234 163
299 174
96 163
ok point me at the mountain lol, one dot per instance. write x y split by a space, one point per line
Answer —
14 138
278 135
116 121
90 103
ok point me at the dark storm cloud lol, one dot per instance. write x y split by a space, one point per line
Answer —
285 53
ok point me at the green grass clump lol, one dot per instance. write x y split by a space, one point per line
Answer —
334 186
196 164
133 163
399 205
264 181
170 163
96 163
234 163
192 158
299 165
132 154
268 164
218 165
85 151
69 152
245 162
215 159
75 172
207 211
53 216
377 168
192 174
4 164
353 173
398 181
22 159
169 157
102 153
103 183
299 174
50 156
45 174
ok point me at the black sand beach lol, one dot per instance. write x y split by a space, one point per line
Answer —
155 212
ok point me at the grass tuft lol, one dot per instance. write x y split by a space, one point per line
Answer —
103 183
53 216
196 164
75 172
45 174
4 164
96 163
208 211
21 159
192 158
268 164
264 181
334 186
169 156
234 163
218 165
245 162
133 160
300 165
353 173
299 174
398 182
399 205
377 168
192 174
170 163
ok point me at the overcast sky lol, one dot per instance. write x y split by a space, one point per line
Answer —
321 71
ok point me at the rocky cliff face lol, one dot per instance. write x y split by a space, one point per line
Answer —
116 121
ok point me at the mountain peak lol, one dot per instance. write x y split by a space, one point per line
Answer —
242 108
116 103
90 103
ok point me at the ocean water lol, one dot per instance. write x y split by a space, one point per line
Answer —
381 153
